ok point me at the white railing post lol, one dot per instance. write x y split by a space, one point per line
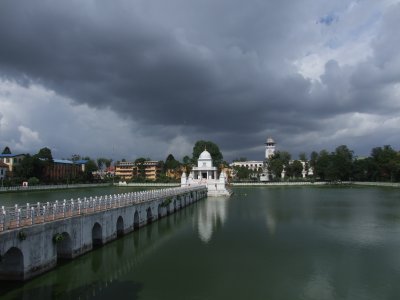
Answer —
2 219
32 215
54 210
18 217
72 207
79 206
28 210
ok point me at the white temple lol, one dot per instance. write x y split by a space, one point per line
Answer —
206 174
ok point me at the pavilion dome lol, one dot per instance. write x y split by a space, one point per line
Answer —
270 141
205 155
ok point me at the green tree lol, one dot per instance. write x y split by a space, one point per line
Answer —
216 154
41 161
342 162
278 161
322 164
313 161
33 181
141 174
25 168
103 163
297 168
242 172
303 156
364 169
45 154
240 159
387 163
187 164
91 166
171 163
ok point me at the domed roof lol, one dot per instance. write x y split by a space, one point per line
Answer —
270 141
205 155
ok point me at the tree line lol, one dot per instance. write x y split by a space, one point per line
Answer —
33 169
383 164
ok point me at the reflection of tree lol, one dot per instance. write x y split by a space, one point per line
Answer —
211 216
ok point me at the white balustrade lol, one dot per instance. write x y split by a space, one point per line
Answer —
32 214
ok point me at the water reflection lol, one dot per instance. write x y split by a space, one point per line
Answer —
211 216
114 265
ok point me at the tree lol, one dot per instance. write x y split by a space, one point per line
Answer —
75 157
187 164
141 170
171 163
297 168
387 162
201 145
342 162
186 160
322 164
364 169
242 172
313 161
303 156
45 154
240 159
6 150
278 161
276 167
25 169
91 166
103 163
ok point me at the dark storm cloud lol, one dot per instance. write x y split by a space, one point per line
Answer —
218 69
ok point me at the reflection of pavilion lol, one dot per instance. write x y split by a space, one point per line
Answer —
206 174
211 216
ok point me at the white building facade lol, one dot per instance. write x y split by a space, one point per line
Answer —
206 174
266 175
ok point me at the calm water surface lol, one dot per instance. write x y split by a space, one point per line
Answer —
262 243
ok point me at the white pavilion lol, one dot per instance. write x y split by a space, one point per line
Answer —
206 174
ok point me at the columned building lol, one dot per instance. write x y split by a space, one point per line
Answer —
205 169
149 169
206 174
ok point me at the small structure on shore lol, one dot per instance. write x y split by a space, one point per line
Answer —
206 174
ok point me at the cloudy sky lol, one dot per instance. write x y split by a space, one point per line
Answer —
130 78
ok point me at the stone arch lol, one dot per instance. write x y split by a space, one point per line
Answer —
159 211
120 226
12 265
136 220
149 215
168 209
64 246
97 235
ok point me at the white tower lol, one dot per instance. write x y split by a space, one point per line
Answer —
269 148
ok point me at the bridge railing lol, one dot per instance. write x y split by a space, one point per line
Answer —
30 214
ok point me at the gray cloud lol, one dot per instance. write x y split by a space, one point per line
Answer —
220 71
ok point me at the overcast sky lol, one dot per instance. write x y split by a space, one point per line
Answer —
130 78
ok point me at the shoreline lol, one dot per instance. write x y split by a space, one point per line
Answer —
17 189
318 183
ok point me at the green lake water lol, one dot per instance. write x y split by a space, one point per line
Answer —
261 243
